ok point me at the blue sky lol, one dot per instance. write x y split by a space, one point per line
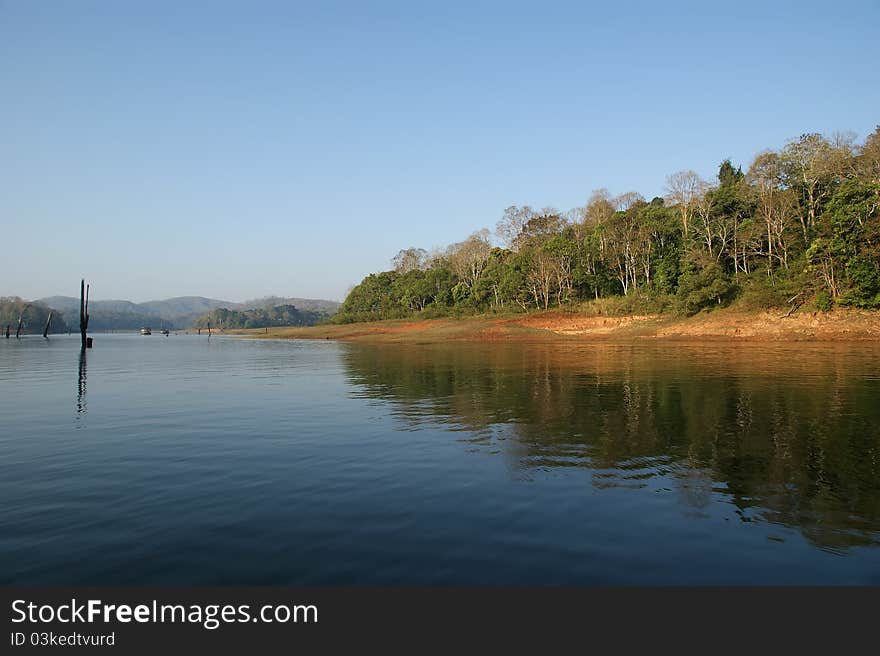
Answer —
240 149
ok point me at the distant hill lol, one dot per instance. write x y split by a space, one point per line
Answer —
174 313
71 304
182 311
105 315
33 315
180 305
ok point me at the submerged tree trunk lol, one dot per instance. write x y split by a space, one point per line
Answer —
83 312
20 321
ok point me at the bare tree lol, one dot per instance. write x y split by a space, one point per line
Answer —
511 225
775 205
541 275
868 162
625 201
467 259
598 212
684 189
785 213
813 164
543 225
712 228
410 259
599 208
619 252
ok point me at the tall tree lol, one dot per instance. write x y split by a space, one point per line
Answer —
511 225
812 165
684 189
410 259
467 259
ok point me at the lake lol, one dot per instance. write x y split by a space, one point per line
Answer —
188 460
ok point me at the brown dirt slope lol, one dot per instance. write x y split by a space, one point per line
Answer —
722 324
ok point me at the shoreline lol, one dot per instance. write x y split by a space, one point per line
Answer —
721 325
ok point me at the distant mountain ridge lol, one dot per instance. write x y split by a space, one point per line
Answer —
175 313
306 304
182 311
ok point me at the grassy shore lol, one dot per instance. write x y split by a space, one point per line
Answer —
839 325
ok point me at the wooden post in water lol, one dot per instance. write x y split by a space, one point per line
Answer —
48 321
83 312
7 331
209 329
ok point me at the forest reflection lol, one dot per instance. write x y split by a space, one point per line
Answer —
787 433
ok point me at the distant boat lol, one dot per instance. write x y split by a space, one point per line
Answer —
146 331
165 331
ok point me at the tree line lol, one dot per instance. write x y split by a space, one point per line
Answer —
800 225
33 317
277 315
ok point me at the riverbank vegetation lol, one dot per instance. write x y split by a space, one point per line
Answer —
799 227
33 317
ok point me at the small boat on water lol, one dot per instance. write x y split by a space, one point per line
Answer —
165 331
146 331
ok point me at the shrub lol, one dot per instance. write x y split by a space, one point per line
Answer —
700 288
823 301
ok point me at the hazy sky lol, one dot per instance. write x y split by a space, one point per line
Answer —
241 149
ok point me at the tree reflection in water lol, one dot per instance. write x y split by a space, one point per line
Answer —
786 432
82 375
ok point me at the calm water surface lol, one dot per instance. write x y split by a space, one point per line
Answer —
183 460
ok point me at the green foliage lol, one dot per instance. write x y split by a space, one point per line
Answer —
729 176
667 273
823 301
864 276
33 317
758 291
703 286
845 254
802 222
273 316
371 300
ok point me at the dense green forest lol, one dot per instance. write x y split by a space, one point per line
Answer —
277 315
800 225
33 317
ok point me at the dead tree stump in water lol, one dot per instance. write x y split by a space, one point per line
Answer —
84 313
48 321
